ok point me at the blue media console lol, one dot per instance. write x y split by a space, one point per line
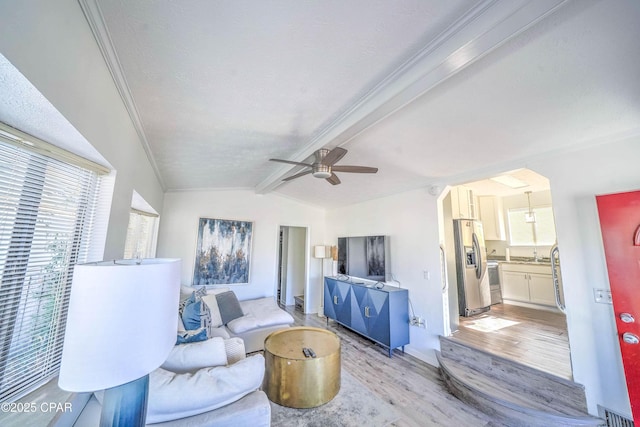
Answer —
381 315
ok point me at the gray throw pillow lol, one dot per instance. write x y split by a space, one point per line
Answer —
229 306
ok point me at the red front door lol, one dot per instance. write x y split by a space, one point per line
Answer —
620 224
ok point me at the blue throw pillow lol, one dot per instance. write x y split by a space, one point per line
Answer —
191 315
188 337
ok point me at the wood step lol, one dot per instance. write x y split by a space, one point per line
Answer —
511 393
556 392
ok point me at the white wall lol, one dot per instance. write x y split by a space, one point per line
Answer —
177 236
410 220
51 44
575 180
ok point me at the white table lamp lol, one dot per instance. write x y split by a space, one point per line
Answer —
121 325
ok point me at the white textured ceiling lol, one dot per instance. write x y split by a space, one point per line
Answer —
221 87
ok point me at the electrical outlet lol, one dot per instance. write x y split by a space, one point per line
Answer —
417 321
602 296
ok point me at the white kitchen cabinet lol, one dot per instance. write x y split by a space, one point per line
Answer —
492 217
463 203
527 283
515 286
541 289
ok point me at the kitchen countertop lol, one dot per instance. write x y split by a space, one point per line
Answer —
520 260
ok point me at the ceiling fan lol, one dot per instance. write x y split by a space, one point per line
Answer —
324 166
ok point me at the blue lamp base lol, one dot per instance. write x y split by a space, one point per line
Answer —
126 405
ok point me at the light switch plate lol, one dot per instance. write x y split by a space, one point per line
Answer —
602 296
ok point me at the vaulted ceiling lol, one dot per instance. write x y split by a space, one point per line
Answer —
427 91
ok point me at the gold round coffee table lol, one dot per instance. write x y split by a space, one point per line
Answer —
295 380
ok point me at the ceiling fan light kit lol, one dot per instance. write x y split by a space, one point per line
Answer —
324 166
321 171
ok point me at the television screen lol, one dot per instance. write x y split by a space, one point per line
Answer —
366 257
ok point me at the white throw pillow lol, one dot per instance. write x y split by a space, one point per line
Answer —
216 318
196 355
173 396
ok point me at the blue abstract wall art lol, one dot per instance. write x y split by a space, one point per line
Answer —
223 252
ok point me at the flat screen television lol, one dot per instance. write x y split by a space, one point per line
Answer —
366 257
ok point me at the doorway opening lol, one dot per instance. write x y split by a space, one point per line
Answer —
515 307
292 264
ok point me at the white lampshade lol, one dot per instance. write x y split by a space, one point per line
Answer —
320 251
122 322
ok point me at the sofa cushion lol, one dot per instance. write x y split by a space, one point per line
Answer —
221 332
197 355
212 303
229 306
261 312
173 396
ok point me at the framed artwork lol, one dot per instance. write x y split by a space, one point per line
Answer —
223 252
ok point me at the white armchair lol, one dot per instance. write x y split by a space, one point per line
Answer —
207 383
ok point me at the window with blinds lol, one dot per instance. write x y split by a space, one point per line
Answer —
46 217
141 235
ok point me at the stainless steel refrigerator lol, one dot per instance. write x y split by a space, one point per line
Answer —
474 292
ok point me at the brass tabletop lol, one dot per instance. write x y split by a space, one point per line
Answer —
294 380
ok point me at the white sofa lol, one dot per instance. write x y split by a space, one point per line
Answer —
261 317
224 394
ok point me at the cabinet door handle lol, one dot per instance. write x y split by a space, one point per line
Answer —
366 311
335 299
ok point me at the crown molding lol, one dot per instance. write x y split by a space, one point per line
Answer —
482 29
94 16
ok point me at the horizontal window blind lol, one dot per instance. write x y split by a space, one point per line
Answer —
46 217
141 235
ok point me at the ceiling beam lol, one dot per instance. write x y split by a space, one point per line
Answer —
482 29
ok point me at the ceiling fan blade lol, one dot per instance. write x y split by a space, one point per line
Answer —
333 156
298 175
290 162
333 179
354 169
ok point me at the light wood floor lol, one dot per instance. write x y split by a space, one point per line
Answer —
412 386
539 339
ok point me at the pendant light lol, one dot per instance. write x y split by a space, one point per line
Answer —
529 217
